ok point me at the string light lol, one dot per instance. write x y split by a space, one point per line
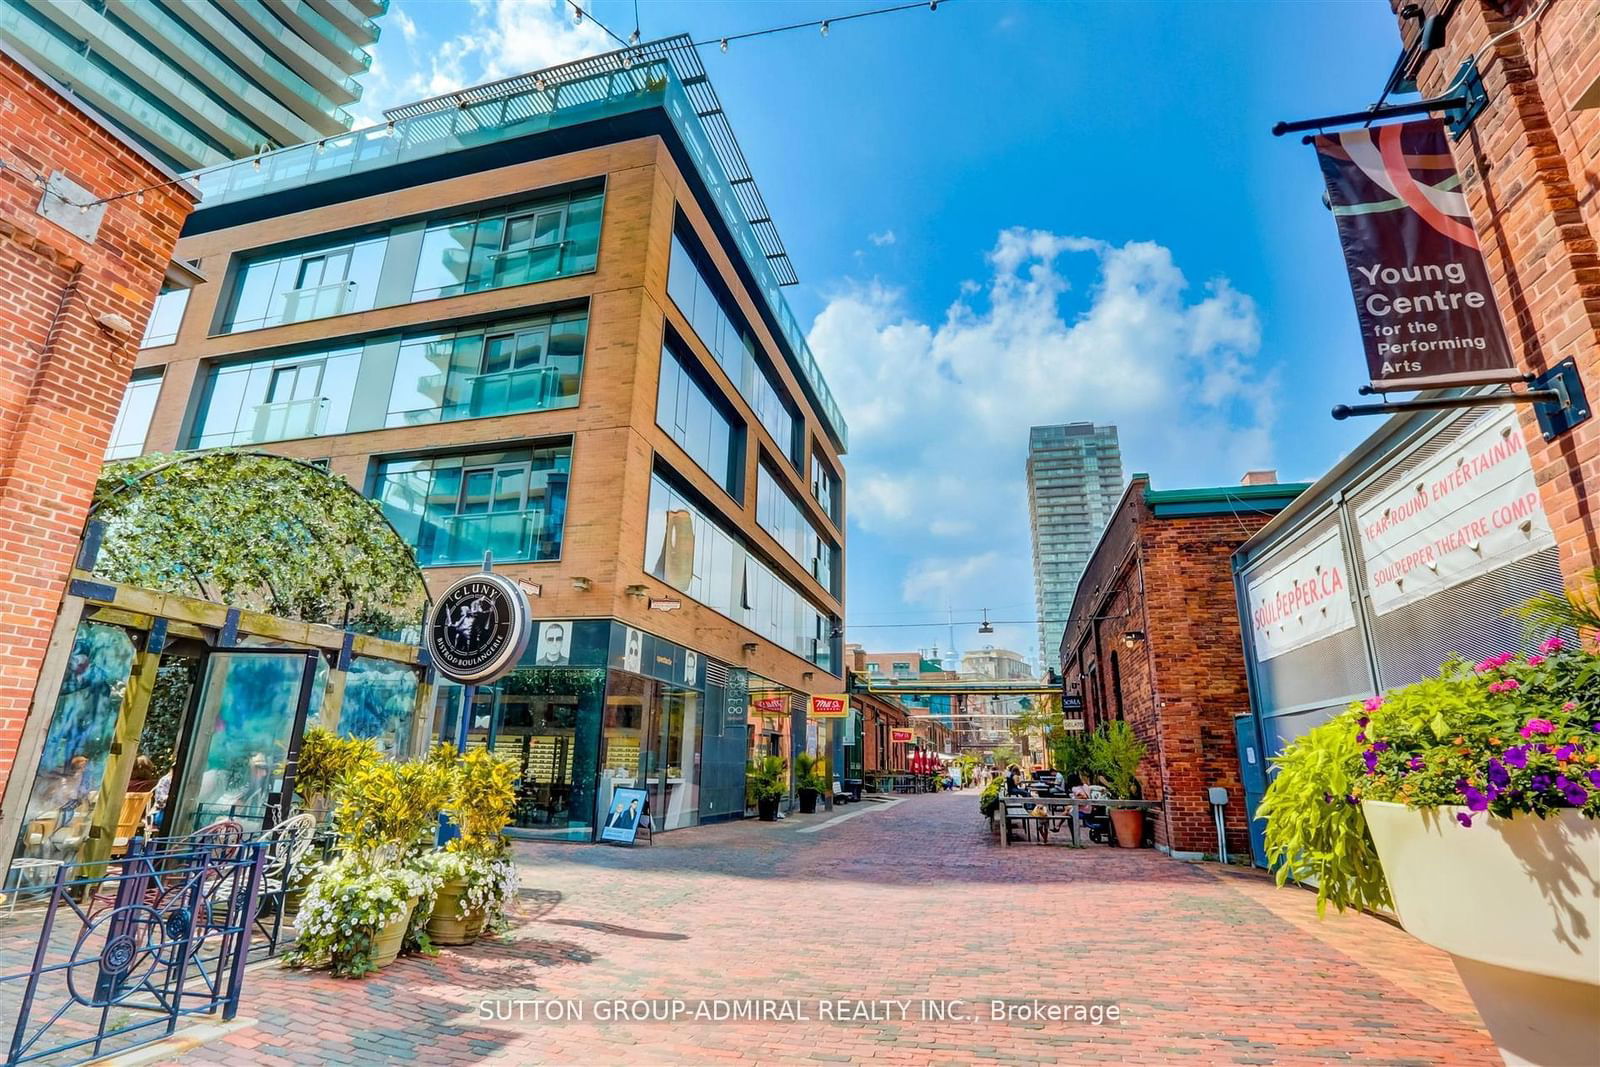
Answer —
822 25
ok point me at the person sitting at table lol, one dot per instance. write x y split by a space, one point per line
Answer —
1014 786
1084 813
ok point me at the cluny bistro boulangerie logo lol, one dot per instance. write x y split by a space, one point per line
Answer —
1423 299
478 628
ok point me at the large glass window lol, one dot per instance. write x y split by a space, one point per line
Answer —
685 410
532 364
825 486
685 549
334 278
165 317
303 395
781 515
722 330
509 246
133 418
453 509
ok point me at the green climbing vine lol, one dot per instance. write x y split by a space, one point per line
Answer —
259 532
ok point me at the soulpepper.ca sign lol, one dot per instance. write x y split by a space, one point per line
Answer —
1427 312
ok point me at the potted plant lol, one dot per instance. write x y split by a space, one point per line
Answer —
324 758
475 870
810 781
1468 802
359 910
766 783
1115 753
989 800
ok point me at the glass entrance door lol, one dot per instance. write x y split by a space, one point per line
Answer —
239 753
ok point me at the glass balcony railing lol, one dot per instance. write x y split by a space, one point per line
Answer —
286 420
510 535
270 26
327 31
519 114
316 302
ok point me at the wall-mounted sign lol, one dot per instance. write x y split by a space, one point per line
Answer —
828 707
1302 599
1073 726
1427 313
478 628
770 703
899 735
554 647
1469 511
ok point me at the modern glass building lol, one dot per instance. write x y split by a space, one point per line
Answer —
200 82
543 319
1074 480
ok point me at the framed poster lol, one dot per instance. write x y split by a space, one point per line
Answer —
629 805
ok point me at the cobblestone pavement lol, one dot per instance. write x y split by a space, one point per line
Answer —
912 901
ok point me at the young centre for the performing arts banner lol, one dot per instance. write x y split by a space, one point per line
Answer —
1427 313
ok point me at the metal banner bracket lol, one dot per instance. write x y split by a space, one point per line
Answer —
1573 410
1460 105
1557 395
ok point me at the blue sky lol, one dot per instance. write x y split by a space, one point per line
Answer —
1006 213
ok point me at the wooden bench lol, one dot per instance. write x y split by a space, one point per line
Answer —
1020 810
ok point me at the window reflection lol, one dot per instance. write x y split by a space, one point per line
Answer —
453 509
133 418
165 317
704 430
781 515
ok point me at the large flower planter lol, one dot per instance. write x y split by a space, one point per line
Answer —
387 940
767 810
808 801
1516 903
451 923
1129 824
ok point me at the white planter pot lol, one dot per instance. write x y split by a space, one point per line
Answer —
1516 903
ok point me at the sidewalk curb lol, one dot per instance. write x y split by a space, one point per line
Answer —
848 816
168 1048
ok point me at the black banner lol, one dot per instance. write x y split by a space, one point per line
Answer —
1427 313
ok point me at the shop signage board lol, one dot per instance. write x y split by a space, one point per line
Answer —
629 806
828 707
1301 599
479 628
770 703
1469 511
1423 299
899 735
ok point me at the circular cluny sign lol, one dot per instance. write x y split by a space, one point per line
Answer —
478 628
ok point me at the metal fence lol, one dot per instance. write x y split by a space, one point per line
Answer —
128 947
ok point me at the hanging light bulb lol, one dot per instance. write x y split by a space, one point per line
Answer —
724 46
538 83
255 164
389 129
627 60
138 198
577 13
633 38
322 146
824 27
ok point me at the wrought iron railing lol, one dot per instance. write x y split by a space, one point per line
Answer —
126 948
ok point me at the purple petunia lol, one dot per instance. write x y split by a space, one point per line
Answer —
1370 758
1475 800
1361 738
1463 818
1565 752
1499 777
1516 757
1540 782
1575 794
1594 777
1416 763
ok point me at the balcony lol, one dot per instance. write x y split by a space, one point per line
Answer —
317 301
509 535
505 392
288 419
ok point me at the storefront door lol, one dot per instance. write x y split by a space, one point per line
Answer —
237 760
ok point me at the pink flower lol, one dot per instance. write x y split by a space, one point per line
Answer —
1494 663
1535 659
1571 705
1505 685
1554 644
1537 726
1374 703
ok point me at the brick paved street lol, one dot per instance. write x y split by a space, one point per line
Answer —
909 901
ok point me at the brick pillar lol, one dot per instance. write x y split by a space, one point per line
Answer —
74 311
1528 169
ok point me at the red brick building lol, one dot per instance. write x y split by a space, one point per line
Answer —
1528 168
1154 640
80 275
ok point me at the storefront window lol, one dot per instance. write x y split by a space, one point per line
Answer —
650 739
379 698
72 765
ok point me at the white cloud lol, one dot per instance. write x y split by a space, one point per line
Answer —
497 38
939 412
881 239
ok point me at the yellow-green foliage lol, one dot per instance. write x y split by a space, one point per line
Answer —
324 759
481 800
386 810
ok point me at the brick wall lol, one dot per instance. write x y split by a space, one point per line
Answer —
63 372
1182 684
1530 169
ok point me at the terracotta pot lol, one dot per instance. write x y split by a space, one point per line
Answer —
767 810
1129 824
387 940
808 801
1516 903
451 923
